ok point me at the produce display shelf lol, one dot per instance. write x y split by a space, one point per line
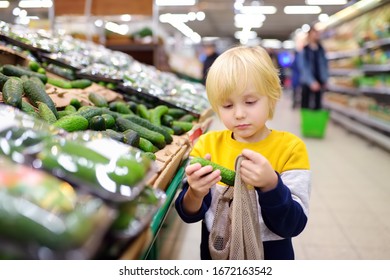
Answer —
160 216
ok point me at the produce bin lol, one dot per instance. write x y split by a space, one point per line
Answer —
314 122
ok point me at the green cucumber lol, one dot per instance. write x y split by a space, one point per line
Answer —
131 137
17 71
156 113
72 123
81 83
12 92
145 123
3 79
153 136
61 83
45 113
75 103
176 112
35 93
89 111
143 111
114 135
97 123
228 176
97 99
147 146
186 126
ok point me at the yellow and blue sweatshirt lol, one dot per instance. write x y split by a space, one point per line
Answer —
283 211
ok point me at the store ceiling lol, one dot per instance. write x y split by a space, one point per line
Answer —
219 21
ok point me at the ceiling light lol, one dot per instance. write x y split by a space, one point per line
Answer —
4 4
125 17
271 43
267 10
247 34
323 17
36 4
288 44
326 2
175 2
302 10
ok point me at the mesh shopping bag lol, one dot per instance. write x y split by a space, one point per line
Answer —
235 233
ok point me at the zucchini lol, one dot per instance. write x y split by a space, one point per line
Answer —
17 71
97 99
153 136
12 92
35 93
228 176
147 146
156 113
145 123
72 123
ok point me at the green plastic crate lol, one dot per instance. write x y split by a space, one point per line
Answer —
314 122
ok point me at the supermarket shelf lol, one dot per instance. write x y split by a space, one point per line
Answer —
377 44
382 90
376 68
345 72
344 54
363 119
357 127
343 89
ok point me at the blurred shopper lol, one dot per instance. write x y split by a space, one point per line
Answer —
211 54
295 81
243 88
313 68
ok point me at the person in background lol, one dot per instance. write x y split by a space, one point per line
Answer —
243 87
295 81
211 55
314 72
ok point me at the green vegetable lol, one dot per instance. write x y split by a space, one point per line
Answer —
72 123
97 123
12 92
186 126
157 113
81 83
227 175
45 113
35 93
97 99
153 136
145 123
17 71
147 146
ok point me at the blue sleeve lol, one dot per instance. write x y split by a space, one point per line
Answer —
306 76
194 217
281 214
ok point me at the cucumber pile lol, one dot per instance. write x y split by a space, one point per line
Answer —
137 124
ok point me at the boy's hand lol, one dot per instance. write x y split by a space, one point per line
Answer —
257 171
201 179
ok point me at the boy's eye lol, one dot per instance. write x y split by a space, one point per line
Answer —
227 106
250 102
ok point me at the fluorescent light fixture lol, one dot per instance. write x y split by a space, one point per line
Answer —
302 10
178 21
323 17
326 2
116 28
288 44
175 2
271 43
35 4
125 17
246 34
253 21
266 10
4 4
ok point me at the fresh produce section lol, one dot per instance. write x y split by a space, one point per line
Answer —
359 62
107 149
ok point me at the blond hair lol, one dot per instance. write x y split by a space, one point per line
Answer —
234 68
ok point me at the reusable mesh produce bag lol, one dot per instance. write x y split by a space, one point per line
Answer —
235 233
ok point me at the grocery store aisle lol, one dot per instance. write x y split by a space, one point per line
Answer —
350 209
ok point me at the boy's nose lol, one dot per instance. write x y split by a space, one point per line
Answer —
239 112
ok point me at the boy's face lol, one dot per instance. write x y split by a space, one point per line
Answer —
245 114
